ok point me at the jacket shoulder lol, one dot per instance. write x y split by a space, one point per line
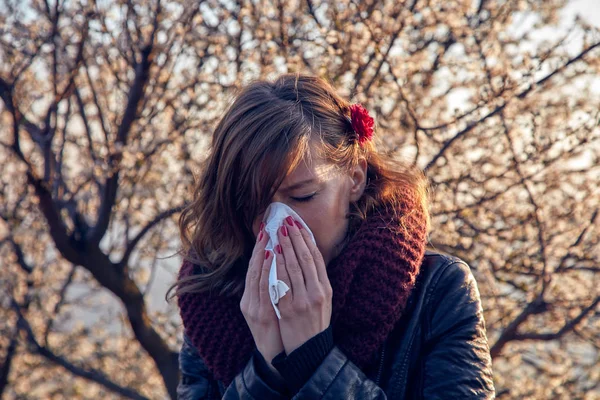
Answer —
457 360
445 300
438 257
448 277
437 264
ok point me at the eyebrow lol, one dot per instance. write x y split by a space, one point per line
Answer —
298 185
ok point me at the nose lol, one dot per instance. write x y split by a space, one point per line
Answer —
259 218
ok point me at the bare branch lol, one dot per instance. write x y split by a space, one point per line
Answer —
83 372
510 332
129 116
566 328
501 107
131 245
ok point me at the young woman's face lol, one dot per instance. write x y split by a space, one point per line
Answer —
321 195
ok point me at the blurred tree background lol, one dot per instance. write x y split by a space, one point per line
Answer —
107 107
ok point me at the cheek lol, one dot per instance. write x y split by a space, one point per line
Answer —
315 218
326 223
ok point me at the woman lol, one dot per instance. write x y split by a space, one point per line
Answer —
371 314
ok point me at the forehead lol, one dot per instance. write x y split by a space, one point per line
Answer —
310 169
314 166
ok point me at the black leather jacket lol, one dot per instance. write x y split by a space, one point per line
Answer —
438 350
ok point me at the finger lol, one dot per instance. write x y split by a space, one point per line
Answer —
291 264
282 275
304 256
253 257
254 268
263 288
257 248
320 267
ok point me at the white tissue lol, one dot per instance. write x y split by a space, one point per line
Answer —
273 219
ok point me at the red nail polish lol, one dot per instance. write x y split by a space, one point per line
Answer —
267 254
262 225
289 220
278 249
284 230
260 236
298 224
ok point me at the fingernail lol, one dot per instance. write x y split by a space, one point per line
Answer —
298 224
289 220
262 225
284 230
267 254
260 236
278 249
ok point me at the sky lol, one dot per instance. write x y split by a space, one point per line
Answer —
588 9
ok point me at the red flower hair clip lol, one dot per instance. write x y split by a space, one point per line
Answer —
362 123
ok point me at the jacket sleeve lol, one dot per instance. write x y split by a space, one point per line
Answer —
197 382
456 359
338 378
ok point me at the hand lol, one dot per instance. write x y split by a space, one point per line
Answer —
306 308
256 303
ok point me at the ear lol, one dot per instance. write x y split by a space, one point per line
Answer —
359 180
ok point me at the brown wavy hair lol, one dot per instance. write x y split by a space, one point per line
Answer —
265 133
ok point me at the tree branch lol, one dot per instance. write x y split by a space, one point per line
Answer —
131 245
501 107
130 114
535 307
86 373
569 326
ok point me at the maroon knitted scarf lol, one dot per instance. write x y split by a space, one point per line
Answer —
371 280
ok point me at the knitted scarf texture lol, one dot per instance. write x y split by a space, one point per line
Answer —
371 279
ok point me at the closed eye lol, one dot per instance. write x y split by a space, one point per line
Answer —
303 199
